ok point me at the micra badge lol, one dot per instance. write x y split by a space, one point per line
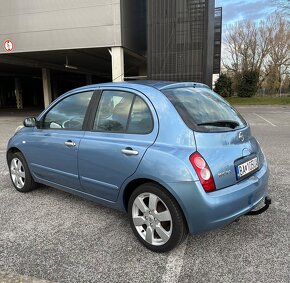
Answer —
221 174
241 136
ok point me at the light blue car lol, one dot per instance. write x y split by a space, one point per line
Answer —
175 156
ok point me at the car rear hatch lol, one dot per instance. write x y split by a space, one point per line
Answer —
231 156
222 136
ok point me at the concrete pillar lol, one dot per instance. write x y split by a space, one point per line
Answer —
117 54
88 79
54 89
46 86
18 94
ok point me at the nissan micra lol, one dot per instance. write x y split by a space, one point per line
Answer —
176 157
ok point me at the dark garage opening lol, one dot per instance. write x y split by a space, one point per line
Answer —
7 93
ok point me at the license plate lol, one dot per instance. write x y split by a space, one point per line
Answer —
247 167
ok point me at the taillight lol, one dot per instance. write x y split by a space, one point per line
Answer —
203 172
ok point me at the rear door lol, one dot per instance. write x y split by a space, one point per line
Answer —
124 126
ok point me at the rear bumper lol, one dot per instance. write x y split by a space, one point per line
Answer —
207 211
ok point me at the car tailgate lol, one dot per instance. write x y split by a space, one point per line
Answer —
224 151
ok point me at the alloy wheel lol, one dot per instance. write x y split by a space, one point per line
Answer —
152 219
17 172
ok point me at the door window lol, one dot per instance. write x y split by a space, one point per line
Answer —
113 111
140 118
69 113
123 112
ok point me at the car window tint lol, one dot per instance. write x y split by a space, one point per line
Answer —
113 111
140 119
198 106
69 113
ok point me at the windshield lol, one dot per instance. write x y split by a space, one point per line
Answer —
204 110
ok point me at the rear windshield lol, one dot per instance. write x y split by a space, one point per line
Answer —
204 110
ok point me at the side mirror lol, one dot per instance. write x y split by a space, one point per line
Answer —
29 122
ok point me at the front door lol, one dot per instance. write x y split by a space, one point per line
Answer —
52 149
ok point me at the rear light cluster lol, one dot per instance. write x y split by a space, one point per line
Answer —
203 172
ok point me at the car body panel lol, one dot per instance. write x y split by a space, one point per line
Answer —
102 165
222 149
48 156
207 211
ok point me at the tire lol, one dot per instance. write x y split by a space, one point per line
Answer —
20 174
156 219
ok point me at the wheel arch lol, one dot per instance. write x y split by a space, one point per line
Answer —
28 180
10 151
133 184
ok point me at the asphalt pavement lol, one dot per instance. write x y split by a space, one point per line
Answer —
53 236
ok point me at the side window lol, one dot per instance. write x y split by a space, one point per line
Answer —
69 113
140 119
113 111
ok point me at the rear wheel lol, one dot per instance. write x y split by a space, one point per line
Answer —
20 174
156 219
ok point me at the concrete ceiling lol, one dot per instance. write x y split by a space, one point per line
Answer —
94 61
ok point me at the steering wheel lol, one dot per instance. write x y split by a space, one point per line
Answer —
111 126
74 123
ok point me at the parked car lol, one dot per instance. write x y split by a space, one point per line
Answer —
176 156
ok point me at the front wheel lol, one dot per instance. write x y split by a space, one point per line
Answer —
156 219
20 174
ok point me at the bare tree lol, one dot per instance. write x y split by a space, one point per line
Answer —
279 52
247 45
263 47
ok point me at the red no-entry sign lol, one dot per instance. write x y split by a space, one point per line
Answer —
8 45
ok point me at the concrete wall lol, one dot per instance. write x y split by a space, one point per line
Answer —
37 25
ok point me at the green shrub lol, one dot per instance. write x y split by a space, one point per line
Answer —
248 83
223 86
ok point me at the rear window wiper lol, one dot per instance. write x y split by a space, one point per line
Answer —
221 123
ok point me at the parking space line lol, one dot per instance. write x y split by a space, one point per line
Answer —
265 120
174 264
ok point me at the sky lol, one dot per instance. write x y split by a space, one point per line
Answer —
238 10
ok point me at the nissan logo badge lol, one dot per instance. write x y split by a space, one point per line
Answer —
241 136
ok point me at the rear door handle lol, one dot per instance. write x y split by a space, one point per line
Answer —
70 143
129 151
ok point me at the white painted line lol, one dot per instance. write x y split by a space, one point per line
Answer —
265 120
174 264
256 124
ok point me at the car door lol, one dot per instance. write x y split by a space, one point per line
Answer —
124 126
52 148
